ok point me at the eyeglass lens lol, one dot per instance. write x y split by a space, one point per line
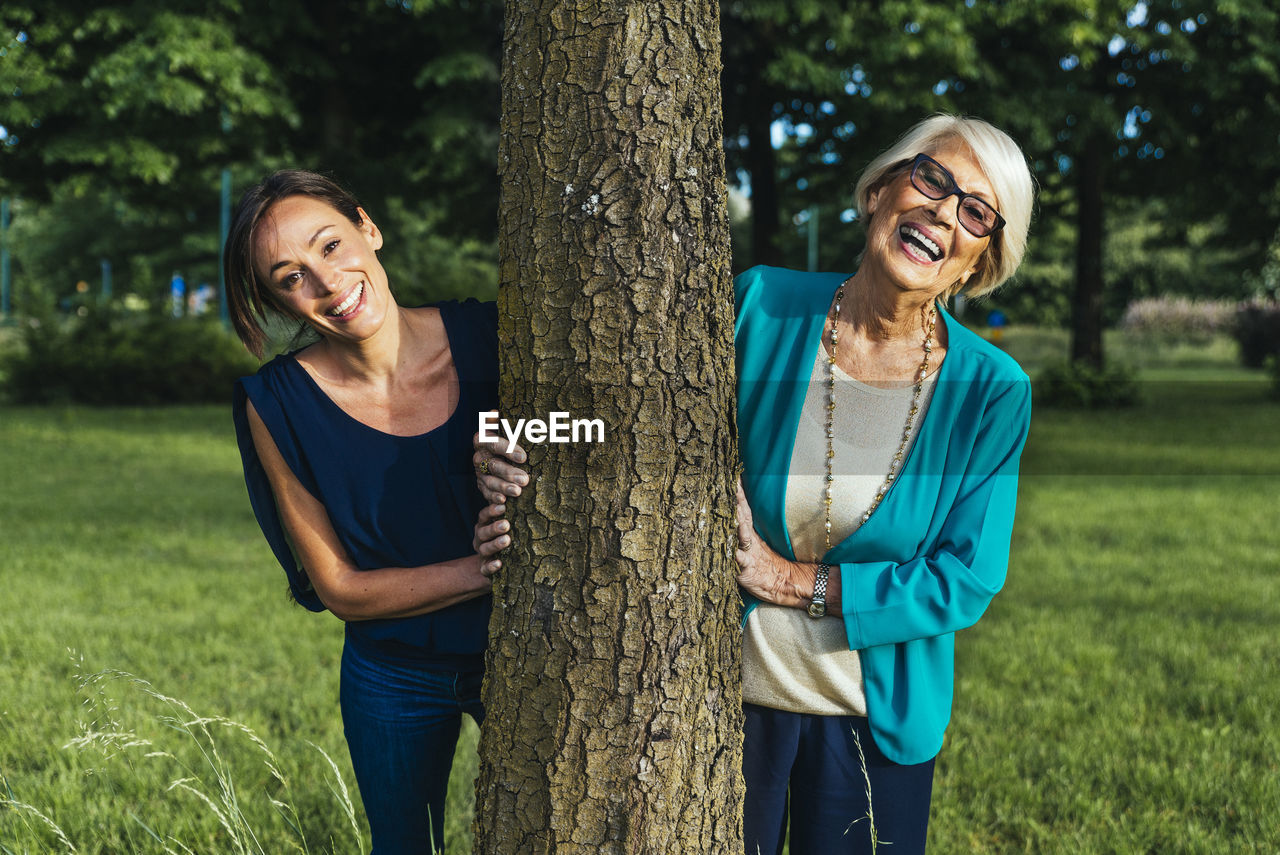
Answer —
979 218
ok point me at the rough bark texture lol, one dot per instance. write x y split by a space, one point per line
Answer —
1086 310
613 698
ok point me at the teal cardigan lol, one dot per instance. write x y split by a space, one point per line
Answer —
935 552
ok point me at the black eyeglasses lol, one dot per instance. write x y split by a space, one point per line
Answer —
932 179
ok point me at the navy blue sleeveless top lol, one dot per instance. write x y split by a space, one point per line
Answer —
395 501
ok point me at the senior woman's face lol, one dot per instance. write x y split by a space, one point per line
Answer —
918 242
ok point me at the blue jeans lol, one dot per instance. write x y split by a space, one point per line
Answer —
806 768
402 723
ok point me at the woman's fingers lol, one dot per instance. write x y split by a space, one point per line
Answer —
497 478
498 445
491 531
746 529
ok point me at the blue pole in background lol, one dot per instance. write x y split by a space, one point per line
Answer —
106 278
223 311
6 278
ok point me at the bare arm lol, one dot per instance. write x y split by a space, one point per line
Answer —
348 592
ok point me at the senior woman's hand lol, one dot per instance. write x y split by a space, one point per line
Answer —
767 575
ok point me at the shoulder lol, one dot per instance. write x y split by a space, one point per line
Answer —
980 358
778 296
472 328
988 384
267 380
469 312
770 286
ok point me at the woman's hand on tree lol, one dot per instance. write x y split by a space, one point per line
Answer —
491 537
498 473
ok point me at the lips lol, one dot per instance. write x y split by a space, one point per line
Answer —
348 305
920 244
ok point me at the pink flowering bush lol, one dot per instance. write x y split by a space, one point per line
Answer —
1178 319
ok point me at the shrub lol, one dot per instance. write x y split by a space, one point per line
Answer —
1257 329
1078 385
113 356
1178 319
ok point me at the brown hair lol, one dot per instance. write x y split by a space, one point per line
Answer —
249 298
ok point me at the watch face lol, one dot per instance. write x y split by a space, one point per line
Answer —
817 609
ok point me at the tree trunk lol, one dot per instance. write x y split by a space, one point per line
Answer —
613 686
1086 311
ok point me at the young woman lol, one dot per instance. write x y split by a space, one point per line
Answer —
356 452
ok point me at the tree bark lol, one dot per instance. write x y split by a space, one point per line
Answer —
1086 311
612 695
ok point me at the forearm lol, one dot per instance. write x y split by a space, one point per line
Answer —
793 585
396 592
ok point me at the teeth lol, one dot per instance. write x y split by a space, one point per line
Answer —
349 303
934 250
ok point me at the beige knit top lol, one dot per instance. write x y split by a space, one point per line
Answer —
791 661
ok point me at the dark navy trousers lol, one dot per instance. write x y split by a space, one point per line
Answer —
805 769
402 722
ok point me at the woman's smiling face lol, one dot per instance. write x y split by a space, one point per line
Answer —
917 241
321 268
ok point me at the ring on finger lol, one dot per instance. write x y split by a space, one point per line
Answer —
484 466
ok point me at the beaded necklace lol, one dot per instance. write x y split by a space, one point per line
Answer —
896 463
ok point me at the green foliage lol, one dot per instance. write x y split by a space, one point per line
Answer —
1257 329
113 356
1077 385
425 266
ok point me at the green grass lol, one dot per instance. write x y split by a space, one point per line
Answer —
128 538
1118 697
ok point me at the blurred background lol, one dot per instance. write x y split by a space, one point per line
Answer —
128 128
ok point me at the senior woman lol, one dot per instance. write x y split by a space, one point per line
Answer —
880 442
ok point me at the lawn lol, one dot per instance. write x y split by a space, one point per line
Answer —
1119 696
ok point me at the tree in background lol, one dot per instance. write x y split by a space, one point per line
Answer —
1147 122
121 115
115 111
612 696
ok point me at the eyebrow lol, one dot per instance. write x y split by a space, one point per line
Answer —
982 196
310 242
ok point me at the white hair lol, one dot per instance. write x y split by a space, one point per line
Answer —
1003 164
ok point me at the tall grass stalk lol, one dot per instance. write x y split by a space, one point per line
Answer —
196 768
871 811
29 811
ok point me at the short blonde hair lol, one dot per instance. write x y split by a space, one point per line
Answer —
1001 161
